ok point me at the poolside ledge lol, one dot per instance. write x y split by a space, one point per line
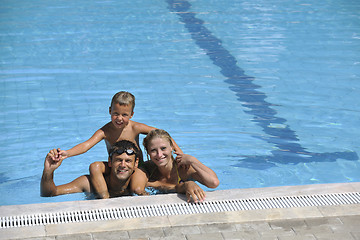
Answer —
255 202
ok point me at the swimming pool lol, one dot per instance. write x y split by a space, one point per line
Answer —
264 92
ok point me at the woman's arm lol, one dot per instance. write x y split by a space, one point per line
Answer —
198 171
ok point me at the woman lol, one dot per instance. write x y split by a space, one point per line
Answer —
166 173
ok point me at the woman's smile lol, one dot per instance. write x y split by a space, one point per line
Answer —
161 159
160 151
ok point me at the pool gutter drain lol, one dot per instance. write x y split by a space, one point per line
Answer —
180 209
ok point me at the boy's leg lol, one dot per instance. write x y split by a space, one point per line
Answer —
97 171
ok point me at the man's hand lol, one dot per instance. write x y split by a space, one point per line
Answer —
50 163
58 154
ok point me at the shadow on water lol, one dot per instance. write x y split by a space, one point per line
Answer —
283 138
3 178
265 162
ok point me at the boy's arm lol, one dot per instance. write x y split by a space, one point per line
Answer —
48 187
177 149
145 129
82 147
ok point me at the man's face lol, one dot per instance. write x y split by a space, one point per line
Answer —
123 165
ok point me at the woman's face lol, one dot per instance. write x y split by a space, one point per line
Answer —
159 150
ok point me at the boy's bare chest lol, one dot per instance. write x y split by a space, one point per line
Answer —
116 135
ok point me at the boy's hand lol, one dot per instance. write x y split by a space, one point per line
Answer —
183 159
59 154
194 191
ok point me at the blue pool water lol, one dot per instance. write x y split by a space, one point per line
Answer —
266 93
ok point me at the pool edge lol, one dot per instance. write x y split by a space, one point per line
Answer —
180 220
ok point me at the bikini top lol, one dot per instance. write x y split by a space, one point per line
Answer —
177 172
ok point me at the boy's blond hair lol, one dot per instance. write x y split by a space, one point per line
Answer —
124 99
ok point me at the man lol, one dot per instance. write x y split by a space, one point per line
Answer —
123 160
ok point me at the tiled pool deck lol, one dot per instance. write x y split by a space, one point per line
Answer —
313 222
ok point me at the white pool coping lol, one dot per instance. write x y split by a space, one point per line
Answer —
179 220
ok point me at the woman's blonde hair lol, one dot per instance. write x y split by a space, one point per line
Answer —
156 133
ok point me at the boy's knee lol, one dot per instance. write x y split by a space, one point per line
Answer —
96 167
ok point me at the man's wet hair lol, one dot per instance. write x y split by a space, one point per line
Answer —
124 145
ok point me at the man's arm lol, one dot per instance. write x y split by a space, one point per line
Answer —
48 187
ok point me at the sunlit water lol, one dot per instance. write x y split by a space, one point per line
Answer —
266 93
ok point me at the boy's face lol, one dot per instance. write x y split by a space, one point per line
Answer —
123 165
120 115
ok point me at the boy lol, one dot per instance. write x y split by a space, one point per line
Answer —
119 128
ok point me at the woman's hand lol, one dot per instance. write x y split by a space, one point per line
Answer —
193 191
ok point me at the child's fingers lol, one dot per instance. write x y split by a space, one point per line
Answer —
178 159
178 154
